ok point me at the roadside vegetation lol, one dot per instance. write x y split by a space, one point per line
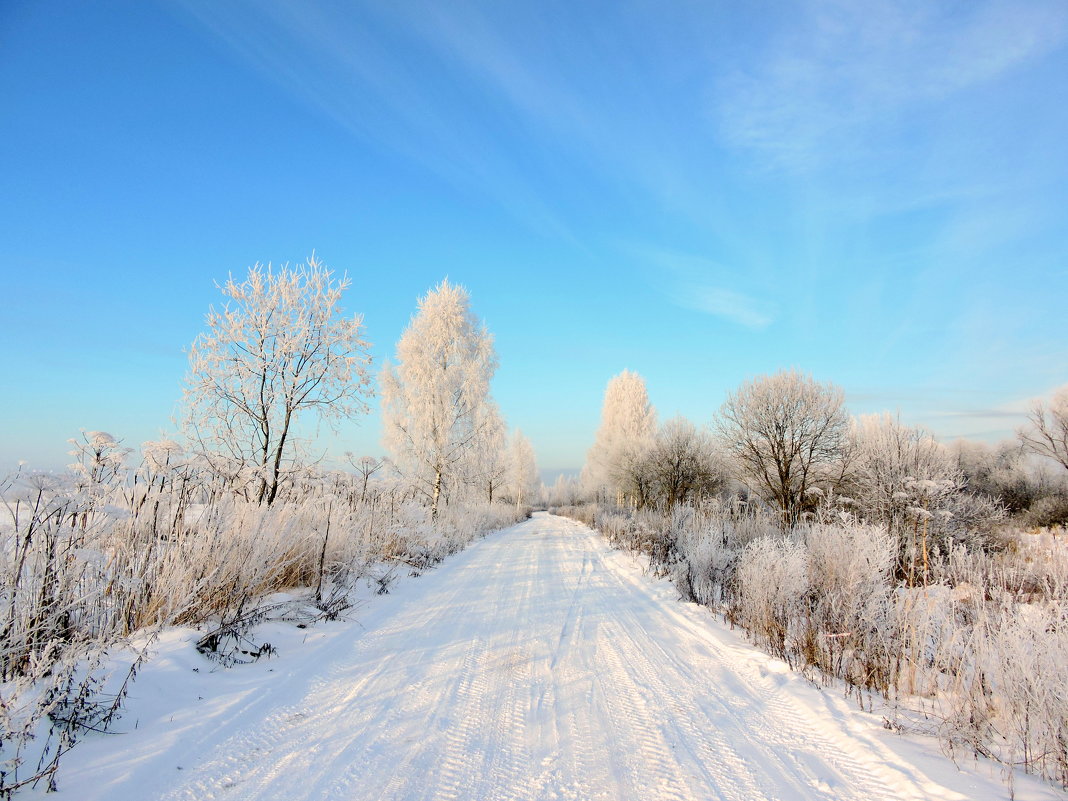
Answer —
207 528
932 577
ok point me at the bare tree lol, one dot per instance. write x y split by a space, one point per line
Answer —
279 347
782 430
682 463
1047 433
434 400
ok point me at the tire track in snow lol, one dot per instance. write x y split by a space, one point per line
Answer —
709 754
672 679
824 761
276 753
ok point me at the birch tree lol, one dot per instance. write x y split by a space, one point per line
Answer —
628 425
783 430
485 467
434 399
523 469
279 348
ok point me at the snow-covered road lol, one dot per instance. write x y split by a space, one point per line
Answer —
535 665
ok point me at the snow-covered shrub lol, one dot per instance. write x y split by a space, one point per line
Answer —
1021 676
698 547
708 542
90 558
773 594
992 668
978 643
1048 512
585 513
849 567
617 527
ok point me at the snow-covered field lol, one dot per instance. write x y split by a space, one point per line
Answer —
537 664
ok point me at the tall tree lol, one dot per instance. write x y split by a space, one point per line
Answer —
628 424
782 430
523 469
485 467
278 348
434 401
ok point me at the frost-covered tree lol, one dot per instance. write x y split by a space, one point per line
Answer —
523 469
1047 431
628 425
782 431
485 468
434 399
911 485
682 463
566 491
277 349
900 473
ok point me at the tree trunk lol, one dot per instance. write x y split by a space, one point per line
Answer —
322 555
276 467
437 495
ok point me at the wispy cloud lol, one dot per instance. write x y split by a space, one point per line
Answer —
704 285
817 90
372 74
604 88
1000 421
504 99
985 414
725 303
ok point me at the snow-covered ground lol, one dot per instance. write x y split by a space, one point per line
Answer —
537 664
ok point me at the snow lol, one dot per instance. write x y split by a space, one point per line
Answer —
537 664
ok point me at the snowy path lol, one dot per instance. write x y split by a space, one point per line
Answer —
535 665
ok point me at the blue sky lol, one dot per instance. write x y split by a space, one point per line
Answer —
876 193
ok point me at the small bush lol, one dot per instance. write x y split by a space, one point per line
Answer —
1048 512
